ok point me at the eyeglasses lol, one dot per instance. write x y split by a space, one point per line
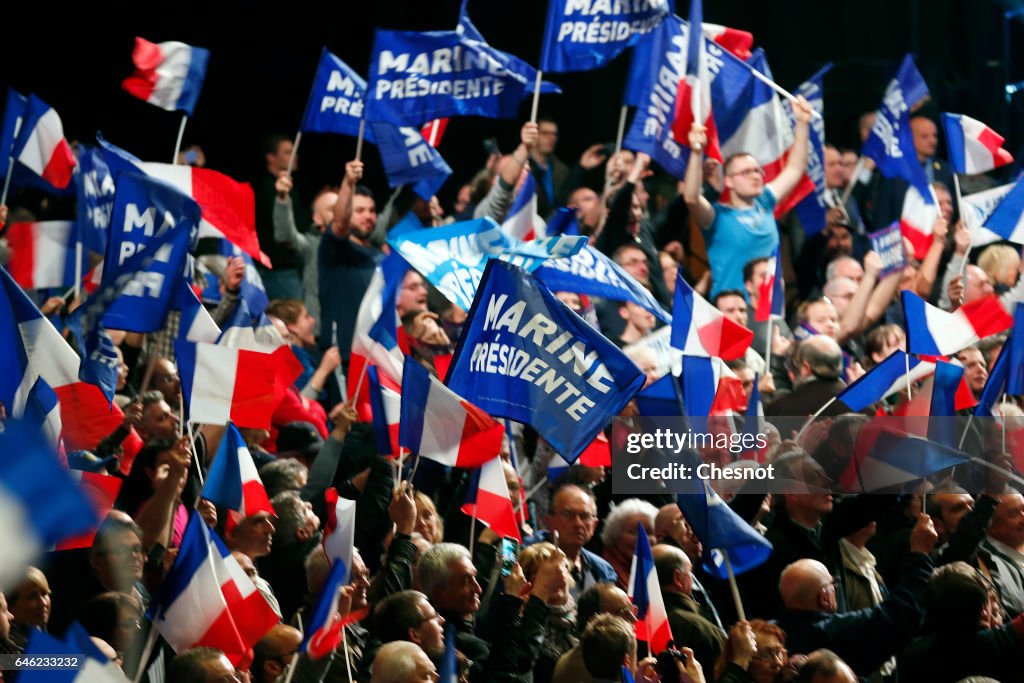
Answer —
779 653
749 172
130 624
570 515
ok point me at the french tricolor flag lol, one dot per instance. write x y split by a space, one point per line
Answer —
700 329
693 99
917 221
41 146
196 324
652 625
885 379
325 629
522 221
386 403
732 39
168 75
233 481
771 292
207 600
973 146
223 384
710 387
102 490
438 424
492 503
754 424
934 332
39 254
339 528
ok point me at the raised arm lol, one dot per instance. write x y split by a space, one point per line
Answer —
796 163
693 184
343 212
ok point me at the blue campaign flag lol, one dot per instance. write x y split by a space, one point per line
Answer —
417 77
585 34
408 159
525 356
509 61
152 227
811 210
591 272
15 112
890 142
453 257
336 101
94 185
721 531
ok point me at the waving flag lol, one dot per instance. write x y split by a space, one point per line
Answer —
580 36
1007 219
207 600
663 397
42 411
917 220
439 425
94 189
337 99
771 292
44 505
168 75
945 385
1007 376
732 39
233 481
32 348
386 404
525 356
509 61
14 115
196 324
973 146
452 257
339 528
522 222
693 101
408 159
885 457
652 625
591 272
721 530
977 208
324 632
885 379
890 143
223 384
934 332
39 254
251 290
92 665
813 207
754 424
41 147
710 388
488 500
407 83
102 490
700 329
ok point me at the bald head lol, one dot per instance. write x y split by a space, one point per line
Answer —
402 662
271 651
819 356
806 585
673 568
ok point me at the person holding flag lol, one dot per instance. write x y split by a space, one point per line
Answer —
744 227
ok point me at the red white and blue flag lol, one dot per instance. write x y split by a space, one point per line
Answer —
932 331
489 501
917 220
973 146
885 379
732 39
754 424
233 481
885 456
1007 376
339 528
771 291
223 384
325 630
207 600
652 625
522 222
693 100
721 531
168 75
197 325
386 404
438 424
1007 219
41 147
40 255
700 329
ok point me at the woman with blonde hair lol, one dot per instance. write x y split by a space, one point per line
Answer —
29 605
560 629
1001 263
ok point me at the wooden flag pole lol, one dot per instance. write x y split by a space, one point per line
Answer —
295 152
536 97
812 418
732 585
181 135
622 128
7 181
359 139
777 88
147 650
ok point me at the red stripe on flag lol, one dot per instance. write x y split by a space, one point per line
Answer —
987 316
730 340
251 403
993 142
59 168
147 57
920 240
481 437
229 206
21 238
496 512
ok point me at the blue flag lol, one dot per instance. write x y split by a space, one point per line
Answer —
509 61
890 142
811 210
336 102
526 356
591 272
94 185
409 159
453 257
15 113
720 531
662 398
943 403
580 35
1007 376
1007 219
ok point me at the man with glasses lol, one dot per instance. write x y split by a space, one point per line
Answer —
572 522
743 226
549 171
408 615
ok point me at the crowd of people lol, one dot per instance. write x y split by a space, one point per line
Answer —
858 587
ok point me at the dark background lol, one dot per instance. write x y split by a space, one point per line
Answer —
263 58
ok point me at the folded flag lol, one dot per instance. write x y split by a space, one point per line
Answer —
771 291
40 254
525 356
700 329
324 632
408 158
207 600
337 99
386 404
522 222
489 502
339 528
885 379
1007 219
917 220
885 457
721 531
440 425
652 625
977 208
973 146
233 481
168 75
934 332
732 39
196 324
41 147
43 504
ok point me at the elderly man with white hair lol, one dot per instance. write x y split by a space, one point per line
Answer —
620 533
402 662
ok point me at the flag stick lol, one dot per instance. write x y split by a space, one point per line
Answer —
813 418
1002 414
472 531
732 585
960 208
195 454
344 646
147 650
776 87
906 358
848 190
1010 475
295 152
963 437
7 181
148 376
415 466
291 667
622 128
536 487
359 139
181 134
768 346
339 372
536 97
78 269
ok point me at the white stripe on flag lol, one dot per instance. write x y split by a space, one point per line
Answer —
213 384
171 74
